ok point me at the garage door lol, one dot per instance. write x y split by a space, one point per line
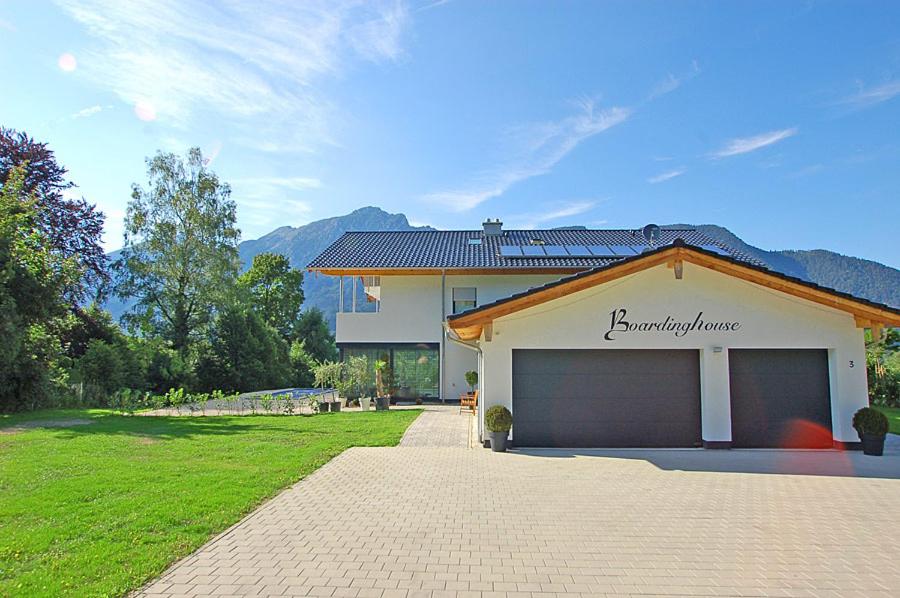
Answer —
606 398
780 398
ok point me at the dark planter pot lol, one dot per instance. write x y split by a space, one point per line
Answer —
873 445
382 403
335 406
323 407
499 441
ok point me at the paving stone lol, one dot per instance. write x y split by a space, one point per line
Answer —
441 521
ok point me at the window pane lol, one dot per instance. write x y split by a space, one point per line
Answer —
464 294
417 372
461 306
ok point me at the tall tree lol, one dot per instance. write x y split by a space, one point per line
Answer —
312 329
180 253
244 354
72 227
276 290
32 278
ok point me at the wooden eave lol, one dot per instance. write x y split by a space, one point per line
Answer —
868 315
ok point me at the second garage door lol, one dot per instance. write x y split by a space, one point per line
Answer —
606 398
780 398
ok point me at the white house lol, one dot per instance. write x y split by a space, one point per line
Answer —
600 338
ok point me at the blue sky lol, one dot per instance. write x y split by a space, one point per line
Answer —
779 120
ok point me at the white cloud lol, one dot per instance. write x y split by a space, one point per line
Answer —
874 95
743 145
556 212
539 147
257 64
7 25
293 183
672 82
90 111
265 203
665 176
433 4
807 171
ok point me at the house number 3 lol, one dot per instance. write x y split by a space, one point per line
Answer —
852 365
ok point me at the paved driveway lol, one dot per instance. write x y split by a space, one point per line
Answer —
425 521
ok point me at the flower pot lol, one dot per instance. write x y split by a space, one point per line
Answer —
499 441
873 444
382 403
323 406
364 403
335 406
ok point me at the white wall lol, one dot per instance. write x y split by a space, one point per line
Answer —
410 312
768 318
460 360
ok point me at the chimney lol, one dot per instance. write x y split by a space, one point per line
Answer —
492 227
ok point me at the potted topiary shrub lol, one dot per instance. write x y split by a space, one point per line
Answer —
872 427
498 421
382 400
472 380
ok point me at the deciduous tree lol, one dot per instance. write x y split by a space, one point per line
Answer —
180 255
275 289
73 228
32 312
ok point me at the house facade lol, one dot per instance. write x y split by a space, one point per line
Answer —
602 338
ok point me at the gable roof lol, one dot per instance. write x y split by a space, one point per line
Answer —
469 325
386 251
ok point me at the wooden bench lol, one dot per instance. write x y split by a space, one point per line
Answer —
468 401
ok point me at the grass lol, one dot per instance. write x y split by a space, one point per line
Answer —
100 509
893 415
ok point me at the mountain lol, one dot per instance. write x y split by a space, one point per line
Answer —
303 243
862 278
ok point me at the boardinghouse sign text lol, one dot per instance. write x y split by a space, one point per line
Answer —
620 323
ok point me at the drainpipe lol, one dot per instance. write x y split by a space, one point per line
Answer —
448 332
443 331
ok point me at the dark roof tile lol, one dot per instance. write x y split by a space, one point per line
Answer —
452 250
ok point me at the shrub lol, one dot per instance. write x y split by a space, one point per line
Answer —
472 379
498 419
870 421
303 365
243 353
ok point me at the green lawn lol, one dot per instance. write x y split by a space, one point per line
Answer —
893 415
99 509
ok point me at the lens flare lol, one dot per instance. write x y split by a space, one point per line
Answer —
800 433
67 62
145 110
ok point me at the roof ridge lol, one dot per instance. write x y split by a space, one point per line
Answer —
520 230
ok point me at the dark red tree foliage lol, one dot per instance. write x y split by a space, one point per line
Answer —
73 226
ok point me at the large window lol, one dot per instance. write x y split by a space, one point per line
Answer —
417 372
416 366
463 298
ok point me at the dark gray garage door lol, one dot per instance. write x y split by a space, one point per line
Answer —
780 398
606 398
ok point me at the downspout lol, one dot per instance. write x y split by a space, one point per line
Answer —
443 331
448 332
